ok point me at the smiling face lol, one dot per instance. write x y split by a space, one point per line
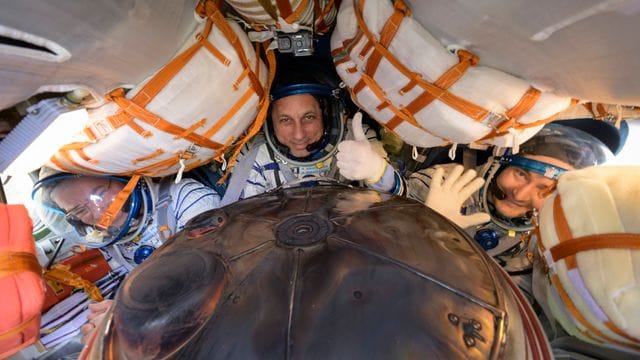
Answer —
297 122
524 190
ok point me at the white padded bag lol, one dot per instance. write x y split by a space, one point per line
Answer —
189 112
589 251
407 81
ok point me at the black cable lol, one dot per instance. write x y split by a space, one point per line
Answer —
55 254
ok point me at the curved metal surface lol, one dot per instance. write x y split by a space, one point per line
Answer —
320 272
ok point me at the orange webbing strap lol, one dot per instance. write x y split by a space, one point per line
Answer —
18 329
387 33
260 118
169 71
602 112
16 262
157 83
65 151
134 110
191 128
226 117
439 87
154 154
562 229
568 247
285 8
463 106
577 315
297 12
112 210
399 112
595 242
320 13
598 112
211 10
269 8
63 274
341 54
526 102
520 126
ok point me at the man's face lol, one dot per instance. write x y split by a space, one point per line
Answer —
297 122
525 190
87 198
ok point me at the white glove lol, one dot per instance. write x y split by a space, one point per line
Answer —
448 194
357 160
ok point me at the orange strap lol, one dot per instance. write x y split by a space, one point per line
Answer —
466 107
16 262
387 33
595 242
260 118
226 117
134 110
154 154
526 102
560 221
192 128
269 8
63 274
297 13
439 88
112 210
285 8
576 314
568 247
321 25
18 329
562 229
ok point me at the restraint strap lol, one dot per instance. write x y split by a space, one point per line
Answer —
16 262
116 205
240 175
62 273
161 209
567 253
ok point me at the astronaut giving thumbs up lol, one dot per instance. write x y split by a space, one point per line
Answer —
358 159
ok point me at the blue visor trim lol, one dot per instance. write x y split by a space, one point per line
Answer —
313 89
547 170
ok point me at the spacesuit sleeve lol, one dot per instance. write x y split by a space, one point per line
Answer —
260 172
190 198
418 183
391 181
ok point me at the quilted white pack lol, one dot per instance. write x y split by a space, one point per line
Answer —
187 113
430 96
589 251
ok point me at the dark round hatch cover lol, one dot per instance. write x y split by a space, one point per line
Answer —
325 272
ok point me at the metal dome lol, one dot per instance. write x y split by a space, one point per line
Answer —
320 272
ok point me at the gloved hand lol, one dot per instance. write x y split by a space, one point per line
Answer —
448 193
356 158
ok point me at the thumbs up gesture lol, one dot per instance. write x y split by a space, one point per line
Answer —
356 158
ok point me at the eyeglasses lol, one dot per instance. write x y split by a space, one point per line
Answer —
94 207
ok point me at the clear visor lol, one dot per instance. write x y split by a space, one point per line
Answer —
81 201
333 123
